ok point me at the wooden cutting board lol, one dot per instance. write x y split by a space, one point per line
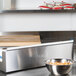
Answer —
19 40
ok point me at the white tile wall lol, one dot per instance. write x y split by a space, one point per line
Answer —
30 4
33 4
1 22
7 4
36 21
74 21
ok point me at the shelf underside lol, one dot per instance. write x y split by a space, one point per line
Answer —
38 11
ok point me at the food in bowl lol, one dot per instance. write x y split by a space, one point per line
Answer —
60 63
59 66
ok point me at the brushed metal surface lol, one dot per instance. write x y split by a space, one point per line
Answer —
38 72
13 4
24 57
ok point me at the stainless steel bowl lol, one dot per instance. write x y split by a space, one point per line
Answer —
59 69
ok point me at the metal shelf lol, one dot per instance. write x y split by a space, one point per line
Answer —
37 11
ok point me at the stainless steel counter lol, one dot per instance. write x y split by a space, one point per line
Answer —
38 72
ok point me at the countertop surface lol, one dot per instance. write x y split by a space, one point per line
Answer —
38 72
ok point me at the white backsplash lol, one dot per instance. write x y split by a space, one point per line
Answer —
36 21
34 4
28 4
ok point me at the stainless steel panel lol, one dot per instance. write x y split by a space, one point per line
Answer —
38 72
3 63
13 4
24 57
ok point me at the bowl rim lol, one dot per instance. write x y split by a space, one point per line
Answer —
46 62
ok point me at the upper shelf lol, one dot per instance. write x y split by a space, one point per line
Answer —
37 11
33 6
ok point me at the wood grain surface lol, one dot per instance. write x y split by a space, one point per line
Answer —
19 40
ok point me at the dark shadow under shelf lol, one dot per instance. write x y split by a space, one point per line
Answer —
38 11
